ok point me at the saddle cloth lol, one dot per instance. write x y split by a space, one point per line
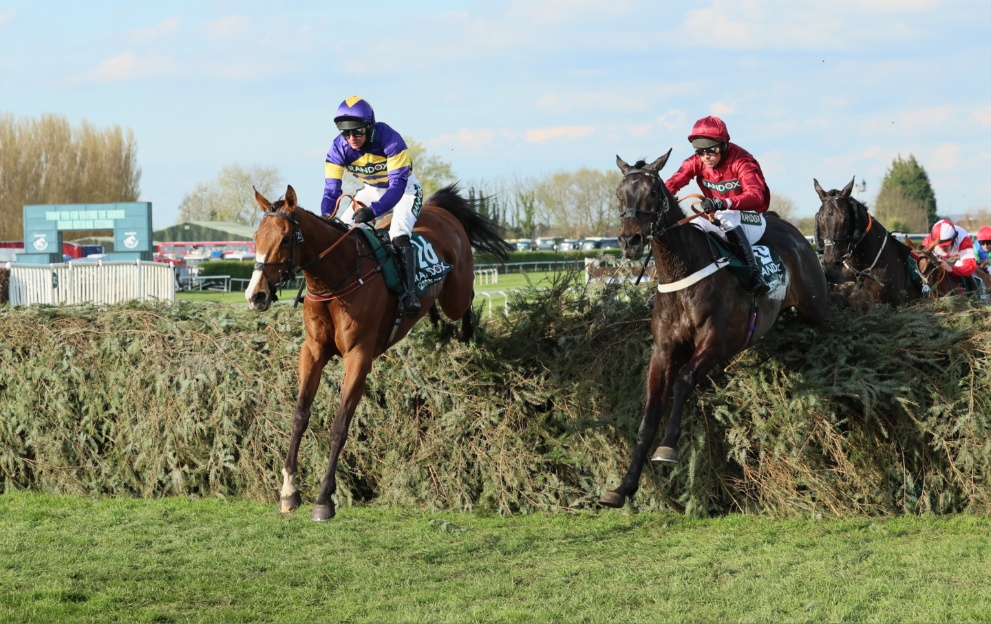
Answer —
429 270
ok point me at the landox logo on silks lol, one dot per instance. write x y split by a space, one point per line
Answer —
723 187
368 169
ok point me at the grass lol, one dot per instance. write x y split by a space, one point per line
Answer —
497 298
73 559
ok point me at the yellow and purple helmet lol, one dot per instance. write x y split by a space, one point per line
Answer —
354 112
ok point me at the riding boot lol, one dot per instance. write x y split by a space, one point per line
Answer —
408 300
757 284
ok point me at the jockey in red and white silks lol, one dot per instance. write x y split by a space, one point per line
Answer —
953 247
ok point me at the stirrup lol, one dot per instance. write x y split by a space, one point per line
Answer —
410 304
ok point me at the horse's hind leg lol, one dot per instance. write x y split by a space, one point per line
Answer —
312 359
356 366
467 326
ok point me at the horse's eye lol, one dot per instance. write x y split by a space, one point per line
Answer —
653 191
285 241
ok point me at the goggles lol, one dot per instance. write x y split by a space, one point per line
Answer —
358 132
712 151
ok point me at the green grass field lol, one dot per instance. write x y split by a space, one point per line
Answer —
69 559
496 297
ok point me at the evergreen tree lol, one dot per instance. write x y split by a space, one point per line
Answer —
906 195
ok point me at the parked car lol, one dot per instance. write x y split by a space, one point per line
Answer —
600 242
546 244
569 244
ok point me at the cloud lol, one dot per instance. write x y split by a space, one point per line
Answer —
127 66
569 132
160 30
982 116
466 137
672 120
7 17
596 101
946 157
227 27
720 109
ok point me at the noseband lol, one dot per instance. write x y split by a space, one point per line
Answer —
288 271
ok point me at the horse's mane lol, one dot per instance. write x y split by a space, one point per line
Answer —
335 223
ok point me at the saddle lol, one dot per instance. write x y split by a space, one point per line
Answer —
429 268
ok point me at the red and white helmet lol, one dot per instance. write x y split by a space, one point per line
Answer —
709 132
984 234
944 233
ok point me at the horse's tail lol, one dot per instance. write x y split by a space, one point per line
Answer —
483 232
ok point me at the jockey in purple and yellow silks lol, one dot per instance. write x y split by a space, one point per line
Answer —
377 156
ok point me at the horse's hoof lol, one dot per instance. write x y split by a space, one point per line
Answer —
322 512
289 504
612 499
665 454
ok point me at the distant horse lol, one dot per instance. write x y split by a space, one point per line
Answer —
856 247
349 311
702 316
941 282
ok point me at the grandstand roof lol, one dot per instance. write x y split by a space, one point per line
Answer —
204 231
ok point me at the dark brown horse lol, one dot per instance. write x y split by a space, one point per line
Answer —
349 311
703 317
856 248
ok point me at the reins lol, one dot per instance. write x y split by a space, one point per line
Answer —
289 273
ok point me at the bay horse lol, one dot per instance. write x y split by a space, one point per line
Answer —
939 281
856 248
702 316
349 311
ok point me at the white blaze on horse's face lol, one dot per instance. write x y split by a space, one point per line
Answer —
256 284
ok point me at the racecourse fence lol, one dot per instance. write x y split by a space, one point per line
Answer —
102 283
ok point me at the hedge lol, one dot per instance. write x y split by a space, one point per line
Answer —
883 412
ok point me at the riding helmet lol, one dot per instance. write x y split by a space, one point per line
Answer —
944 233
354 112
984 234
709 132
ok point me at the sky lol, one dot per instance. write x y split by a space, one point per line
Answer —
507 89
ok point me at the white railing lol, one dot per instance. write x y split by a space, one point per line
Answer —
101 283
486 276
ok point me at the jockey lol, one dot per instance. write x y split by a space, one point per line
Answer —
733 185
377 156
953 244
983 246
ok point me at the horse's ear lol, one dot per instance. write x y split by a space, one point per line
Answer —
622 164
909 243
848 188
658 164
290 198
822 193
263 203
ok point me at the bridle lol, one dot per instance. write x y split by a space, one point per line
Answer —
851 242
657 228
288 271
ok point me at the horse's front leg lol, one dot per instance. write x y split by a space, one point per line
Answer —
357 363
312 359
658 385
701 362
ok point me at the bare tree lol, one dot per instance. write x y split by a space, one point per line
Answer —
229 197
47 161
580 203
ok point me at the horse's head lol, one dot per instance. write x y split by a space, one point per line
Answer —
841 223
277 245
644 204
